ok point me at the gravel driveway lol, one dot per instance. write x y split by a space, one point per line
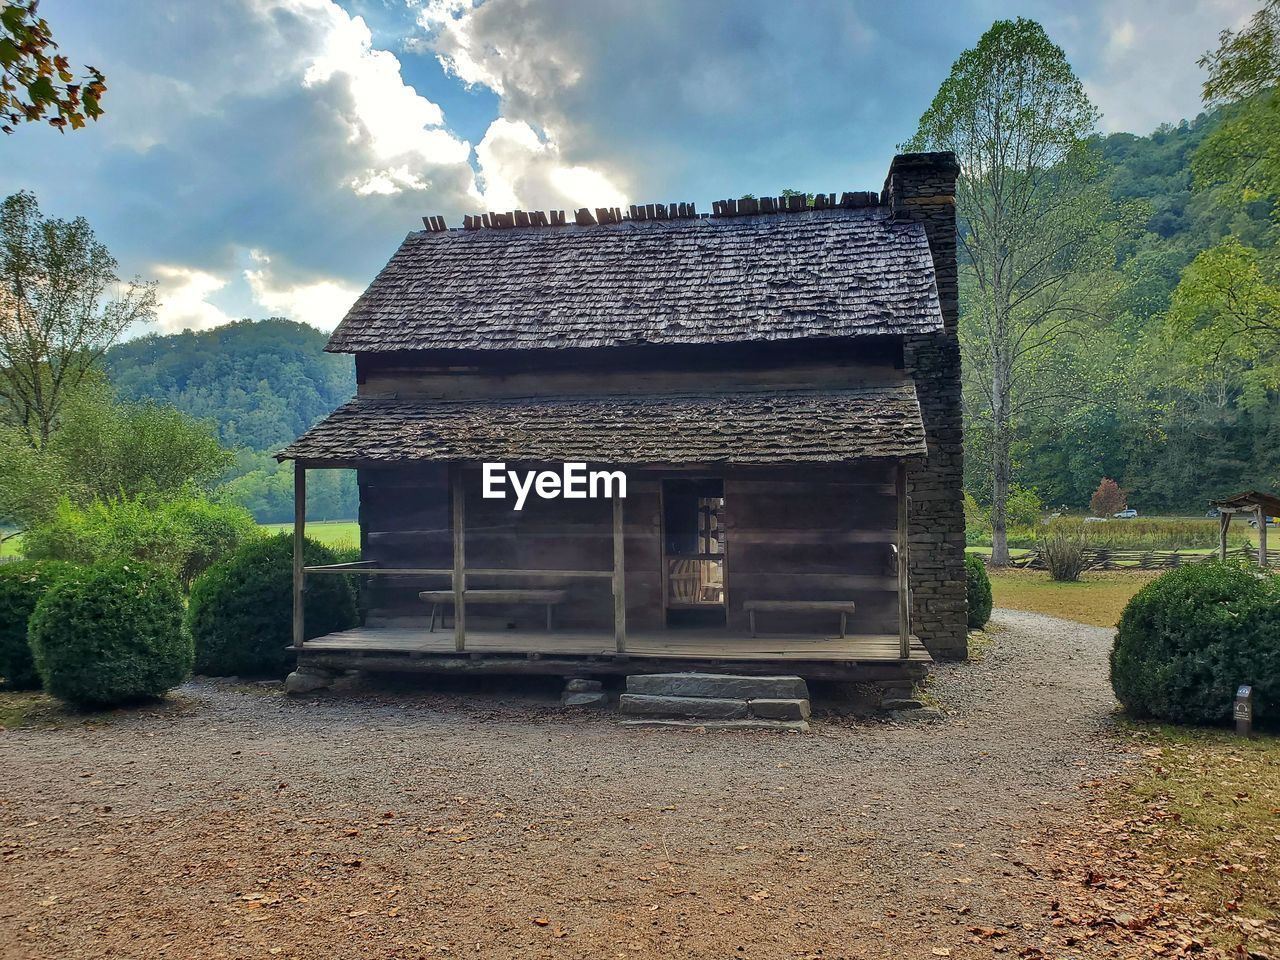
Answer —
234 822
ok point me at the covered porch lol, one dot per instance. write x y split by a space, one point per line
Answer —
751 559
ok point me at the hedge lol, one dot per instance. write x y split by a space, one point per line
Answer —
1190 637
22 584
978 589
241 610
111 635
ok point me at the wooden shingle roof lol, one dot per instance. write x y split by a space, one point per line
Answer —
821 273
803 426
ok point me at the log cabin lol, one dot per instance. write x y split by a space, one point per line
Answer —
777 383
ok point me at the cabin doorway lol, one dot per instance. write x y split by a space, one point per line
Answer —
693 514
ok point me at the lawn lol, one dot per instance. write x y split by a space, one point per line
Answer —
334 533
1097 599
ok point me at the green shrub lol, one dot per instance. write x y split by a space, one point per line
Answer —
21 587
1190 637
111 635
183 536
241 610
978 588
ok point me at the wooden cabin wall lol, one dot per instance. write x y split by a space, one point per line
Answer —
813 533
623 371
404 522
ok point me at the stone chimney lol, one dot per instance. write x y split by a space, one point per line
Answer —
922 187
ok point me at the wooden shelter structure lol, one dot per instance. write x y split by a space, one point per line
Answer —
1261 505
766 401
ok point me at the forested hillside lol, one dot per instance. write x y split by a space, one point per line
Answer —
1136 403
262 383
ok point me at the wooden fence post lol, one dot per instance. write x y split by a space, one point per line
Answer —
619 578
459 557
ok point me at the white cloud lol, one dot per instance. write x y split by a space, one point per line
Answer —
402 130
321 303
183 299
1146 73
520 169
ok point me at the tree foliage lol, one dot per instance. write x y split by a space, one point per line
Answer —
111 635
1108 499
35 80
1038 231
61 306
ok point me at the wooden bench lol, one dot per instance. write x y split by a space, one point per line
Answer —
842 607
548 597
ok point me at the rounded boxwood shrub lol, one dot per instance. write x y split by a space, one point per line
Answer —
22 584
1190 637
241 610
978 588
111 635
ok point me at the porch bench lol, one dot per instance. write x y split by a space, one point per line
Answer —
842 607
548 597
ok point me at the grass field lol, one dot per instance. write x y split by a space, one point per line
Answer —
1097 599
334 533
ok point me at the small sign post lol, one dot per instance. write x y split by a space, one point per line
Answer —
1244 710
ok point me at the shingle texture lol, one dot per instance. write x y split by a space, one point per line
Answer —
829 273
748 428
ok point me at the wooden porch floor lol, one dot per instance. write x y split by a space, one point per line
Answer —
665 644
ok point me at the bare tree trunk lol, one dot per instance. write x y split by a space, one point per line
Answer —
1000 466
999 496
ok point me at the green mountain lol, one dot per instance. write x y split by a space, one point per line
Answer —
263 382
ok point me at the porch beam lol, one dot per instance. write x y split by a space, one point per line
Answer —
904 588
456 496
619 579
1224 521
299 538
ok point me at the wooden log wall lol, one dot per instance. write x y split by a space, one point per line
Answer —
813 534
803 534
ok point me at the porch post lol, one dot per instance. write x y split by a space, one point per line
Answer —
459 558
299 536
1224 520
904 587
1263 560
619 579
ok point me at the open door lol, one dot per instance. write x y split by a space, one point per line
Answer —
693 552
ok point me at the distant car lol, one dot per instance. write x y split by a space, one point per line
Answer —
1096 519
1271 521
1214 514
1130 514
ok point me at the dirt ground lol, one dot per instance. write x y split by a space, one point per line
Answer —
379 822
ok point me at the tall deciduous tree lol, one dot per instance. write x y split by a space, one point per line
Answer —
36 83
1037 229
61 306
1228 301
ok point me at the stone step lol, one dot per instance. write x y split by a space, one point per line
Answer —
703 708
717 685
713 708
756 723
901 703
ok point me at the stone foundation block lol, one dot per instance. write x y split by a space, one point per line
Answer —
717 685
779 709
699 708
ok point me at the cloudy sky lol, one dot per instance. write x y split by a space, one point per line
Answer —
265 157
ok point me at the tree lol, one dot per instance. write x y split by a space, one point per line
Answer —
1038 231
56 319
34 80
1108 499
105 449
